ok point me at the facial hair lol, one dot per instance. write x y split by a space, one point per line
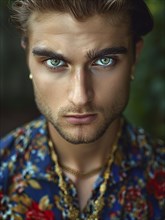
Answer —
60 126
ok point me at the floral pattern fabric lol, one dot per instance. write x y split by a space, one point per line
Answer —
29 186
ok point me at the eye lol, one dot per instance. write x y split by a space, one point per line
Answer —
106 61
54 63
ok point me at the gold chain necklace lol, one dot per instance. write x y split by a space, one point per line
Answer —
74 213
80 174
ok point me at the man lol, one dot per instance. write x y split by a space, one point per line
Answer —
81 159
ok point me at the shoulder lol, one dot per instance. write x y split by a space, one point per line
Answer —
139 142
148 155
13 147
21 134
150 151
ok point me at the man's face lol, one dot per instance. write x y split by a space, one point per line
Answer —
81 72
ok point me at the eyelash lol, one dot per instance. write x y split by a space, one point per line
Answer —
54 67
114 60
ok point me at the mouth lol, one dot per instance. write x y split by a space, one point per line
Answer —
80 119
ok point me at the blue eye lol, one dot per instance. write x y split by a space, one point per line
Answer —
105 61
54 63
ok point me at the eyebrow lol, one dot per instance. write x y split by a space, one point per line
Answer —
93 54
48 53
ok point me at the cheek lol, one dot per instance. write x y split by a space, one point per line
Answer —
46 91
113 91
47 83
110 86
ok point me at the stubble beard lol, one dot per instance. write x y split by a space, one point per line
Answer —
62 128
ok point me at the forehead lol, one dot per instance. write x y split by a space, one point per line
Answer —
56 19
62 30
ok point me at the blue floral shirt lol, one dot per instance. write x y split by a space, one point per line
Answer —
29 186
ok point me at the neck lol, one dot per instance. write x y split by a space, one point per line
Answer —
84 157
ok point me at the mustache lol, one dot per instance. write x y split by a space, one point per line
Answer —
79 110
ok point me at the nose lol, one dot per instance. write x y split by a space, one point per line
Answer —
81 91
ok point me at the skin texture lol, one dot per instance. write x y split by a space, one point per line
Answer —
80 86
84 96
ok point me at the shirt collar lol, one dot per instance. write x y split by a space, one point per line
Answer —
132 146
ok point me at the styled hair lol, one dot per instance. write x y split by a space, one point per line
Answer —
137 11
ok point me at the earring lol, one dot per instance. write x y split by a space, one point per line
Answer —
132 77
30 76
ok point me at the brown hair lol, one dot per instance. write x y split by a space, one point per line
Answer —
139 14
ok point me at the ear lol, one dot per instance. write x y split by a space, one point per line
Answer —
138 48
24 42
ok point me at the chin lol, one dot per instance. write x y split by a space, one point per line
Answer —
81 135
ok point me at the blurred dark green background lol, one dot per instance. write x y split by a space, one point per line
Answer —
147 101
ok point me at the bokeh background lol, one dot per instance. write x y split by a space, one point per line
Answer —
147 101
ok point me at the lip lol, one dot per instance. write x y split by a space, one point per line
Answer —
80 119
